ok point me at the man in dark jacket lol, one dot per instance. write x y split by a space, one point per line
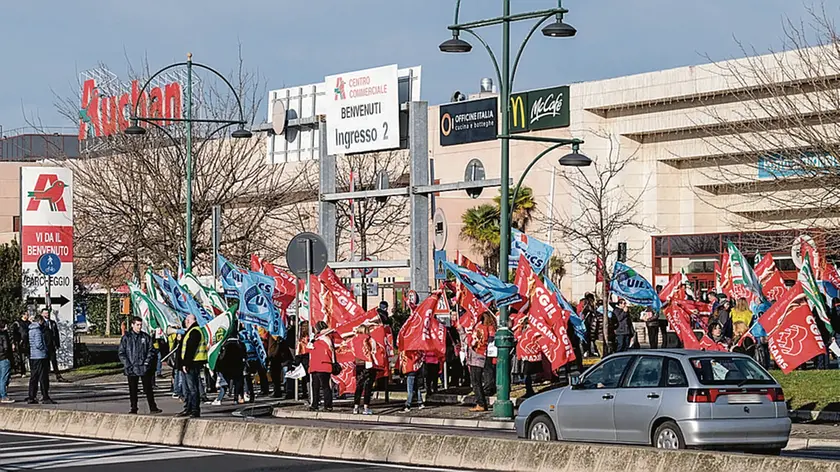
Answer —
38 362
20 342
624 326
5 362
279 356
137 355
53 342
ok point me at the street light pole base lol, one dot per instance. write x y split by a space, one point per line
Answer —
503 410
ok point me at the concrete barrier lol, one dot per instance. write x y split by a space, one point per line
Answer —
438 450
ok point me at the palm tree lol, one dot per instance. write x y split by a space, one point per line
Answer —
523 207
556 269
481 229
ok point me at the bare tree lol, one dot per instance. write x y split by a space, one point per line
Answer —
130 191
774 134
602 209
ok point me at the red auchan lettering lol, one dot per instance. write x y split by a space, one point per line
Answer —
104 116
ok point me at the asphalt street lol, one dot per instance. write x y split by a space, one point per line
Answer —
34 452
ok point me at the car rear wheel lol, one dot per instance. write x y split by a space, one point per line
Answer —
668 436
542 429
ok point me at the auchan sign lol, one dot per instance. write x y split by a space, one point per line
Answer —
101 115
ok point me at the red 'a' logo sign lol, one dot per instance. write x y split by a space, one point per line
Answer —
49 189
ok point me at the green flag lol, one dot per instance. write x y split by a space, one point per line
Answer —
206 296
812 292
155 315
216 332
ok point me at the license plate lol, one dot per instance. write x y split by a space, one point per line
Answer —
742 399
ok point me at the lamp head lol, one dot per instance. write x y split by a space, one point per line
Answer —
241 133
135 129
455 45
575 158
559 29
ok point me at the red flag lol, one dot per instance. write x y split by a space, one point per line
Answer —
831 275
770 278
599 270
524 281
792 332
422 331
256 263
527 348
474 309
550 321
726 275
709 344
331 301
806 248
718 278
346 379
335 284
285 284
678 319
674 289
463 261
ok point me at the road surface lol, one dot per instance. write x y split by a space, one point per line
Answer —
35 452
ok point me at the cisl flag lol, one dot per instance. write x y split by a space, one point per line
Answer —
792 332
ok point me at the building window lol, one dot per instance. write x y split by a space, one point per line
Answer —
16 224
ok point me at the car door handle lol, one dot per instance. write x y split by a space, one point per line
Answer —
608 396
653 395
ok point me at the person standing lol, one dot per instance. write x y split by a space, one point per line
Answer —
431 372
321 358
193 358
39 368
20 342
5 362
53 342
231 367
280 357
137 354
363 349
411 364
477 357
652 324
624 326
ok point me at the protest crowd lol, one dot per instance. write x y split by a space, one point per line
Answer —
246 342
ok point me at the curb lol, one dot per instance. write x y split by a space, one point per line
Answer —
429 450
392 419
818 415
439 398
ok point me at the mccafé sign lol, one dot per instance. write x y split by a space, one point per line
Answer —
539 109
101 115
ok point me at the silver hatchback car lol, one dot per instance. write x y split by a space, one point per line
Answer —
667 398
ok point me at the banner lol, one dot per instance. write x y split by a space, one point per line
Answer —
422 331
549 320
812 292
535 251
745 283
630 285
772 284
792 332
486 287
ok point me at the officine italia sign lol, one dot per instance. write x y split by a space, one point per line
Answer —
539 109
468 122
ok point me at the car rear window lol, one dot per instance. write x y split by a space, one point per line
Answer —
729 371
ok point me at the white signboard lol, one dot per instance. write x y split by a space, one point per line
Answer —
363 113
47 227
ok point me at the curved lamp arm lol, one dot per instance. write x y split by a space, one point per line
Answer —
489 51
522 47
182 64
525 172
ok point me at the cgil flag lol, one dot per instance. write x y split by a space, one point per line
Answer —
769 277
792 333
422 331
579 325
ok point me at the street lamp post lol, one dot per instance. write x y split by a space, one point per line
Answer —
136 130
503 408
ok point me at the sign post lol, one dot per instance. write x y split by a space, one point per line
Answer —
46 237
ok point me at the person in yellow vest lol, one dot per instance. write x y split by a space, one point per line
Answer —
193 358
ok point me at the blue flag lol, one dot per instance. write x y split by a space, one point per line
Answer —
179 299
256 305
254 348
580 327
232 277
535 251
628 284
486 287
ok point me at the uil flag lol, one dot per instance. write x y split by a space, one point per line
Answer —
629 284
812 292
232 277
744 281
770 278
792 332
255 305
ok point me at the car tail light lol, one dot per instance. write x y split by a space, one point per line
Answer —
776 395
702 395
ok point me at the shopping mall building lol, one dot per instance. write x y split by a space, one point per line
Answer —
666 124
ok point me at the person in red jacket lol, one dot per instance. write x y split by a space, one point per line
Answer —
477 358
363 348
321 358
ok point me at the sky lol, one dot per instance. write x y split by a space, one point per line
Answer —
293 42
